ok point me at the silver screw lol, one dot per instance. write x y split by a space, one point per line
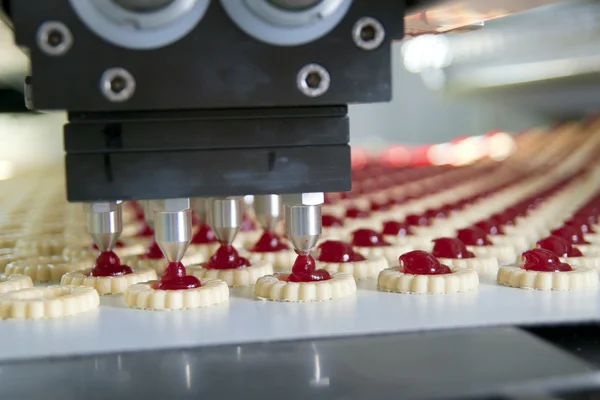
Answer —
54 38
313 80
368 33
117 84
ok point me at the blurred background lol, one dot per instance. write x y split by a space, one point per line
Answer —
531 69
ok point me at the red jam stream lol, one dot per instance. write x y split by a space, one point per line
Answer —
109 264
305 270
226 257
175 278
118 245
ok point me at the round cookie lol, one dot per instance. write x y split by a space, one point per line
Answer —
274 288
43 269
10 283
542 270
234 277
107 284
48 302
454 280
146 296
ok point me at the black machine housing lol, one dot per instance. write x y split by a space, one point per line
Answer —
217 112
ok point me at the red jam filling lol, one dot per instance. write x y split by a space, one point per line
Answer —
368 238
153 252
581 224
247 224
490 227
355 213
333 251
396 228
226 257
417 220
305 270
435 213
175 278
559 246
329 221
269 242
419 262
450 248
473 236
145 231
572 234
204 235
503 218
380 206
109 264
543 261
118 245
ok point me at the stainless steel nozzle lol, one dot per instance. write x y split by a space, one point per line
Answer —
200 207
268 210
173 228
104 223
225 217
303 226
148 208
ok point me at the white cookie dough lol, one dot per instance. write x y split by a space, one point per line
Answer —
414 242
504 253
159 264
48 302
577 279
9 283
43 269
270 287
585 261
233 277
391 252
484 266
280 260
460 280
369 268
204 250
79 252
44 245
107 284
144 296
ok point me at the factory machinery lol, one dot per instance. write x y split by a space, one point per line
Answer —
170 101
189 105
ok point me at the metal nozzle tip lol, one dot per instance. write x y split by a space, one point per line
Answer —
104 223
225 217
173 233
268 210
303 226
